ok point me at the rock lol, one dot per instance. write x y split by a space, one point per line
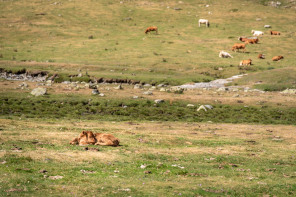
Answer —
23 85
235 96
143 166
101 94
162 90
177 89
148 93
209 106
138 86
127 19
205 107
49 83
43 171
87 172
190 105
39 91
159 101
79 75
267 26
118 87
91 149
66 82
223 89
202 108
161 85
92 86
95 91
55 177
152 88
289 91
135 97
147 85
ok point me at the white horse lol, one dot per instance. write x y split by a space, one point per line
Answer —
203 21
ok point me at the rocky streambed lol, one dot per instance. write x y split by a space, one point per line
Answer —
218 83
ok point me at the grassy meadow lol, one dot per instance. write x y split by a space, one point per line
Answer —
55 36
244 146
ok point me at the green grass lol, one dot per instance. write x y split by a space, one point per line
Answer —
68 107
276 79
120 48
269 171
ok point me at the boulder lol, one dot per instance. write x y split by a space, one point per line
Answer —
289 91
158 101
95 91
23 85
161 85
118 87
147 85
39 91
205 107
190 105
49 83
223 89
138 86
92 86
148 93
162 90
152 88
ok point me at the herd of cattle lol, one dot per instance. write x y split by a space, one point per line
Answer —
250 40
238 46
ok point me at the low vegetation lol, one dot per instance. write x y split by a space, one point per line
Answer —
69 107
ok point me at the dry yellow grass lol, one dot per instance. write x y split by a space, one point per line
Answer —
157 137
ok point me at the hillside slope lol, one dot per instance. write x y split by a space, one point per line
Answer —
107 38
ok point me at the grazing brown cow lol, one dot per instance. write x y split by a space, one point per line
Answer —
277 58
246 62
261 56
238 46
152 28
249 40
275 33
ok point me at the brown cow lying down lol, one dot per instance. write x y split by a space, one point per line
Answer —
88 137
275 33
249 40
261 56
277 58
246 62
152 28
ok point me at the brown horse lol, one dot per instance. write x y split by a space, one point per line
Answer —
152 28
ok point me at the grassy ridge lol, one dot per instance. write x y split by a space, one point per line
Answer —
113 109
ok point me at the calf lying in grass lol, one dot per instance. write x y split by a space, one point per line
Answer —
88 137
